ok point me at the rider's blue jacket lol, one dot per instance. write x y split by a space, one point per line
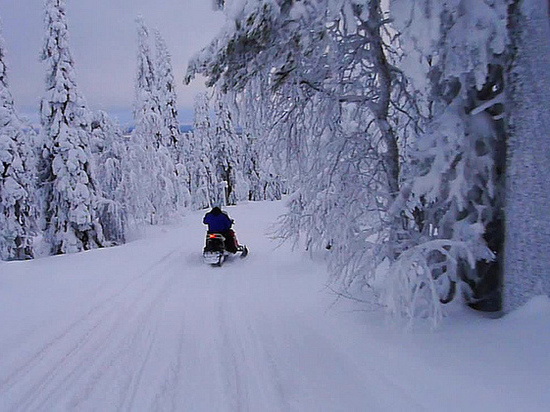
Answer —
217 221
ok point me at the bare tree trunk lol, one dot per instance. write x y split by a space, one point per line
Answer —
527 238
382 67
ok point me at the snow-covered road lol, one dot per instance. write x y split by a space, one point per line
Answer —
148 326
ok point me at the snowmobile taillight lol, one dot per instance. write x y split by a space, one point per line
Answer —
212 236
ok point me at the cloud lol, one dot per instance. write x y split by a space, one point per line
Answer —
103 42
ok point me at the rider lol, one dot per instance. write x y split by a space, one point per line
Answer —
219 222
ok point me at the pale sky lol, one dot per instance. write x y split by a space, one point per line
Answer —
103 42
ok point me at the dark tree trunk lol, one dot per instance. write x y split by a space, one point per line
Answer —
527 241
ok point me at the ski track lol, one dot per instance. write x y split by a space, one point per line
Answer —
180 335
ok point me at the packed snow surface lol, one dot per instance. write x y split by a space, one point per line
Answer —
148 326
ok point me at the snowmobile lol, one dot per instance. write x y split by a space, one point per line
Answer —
215 251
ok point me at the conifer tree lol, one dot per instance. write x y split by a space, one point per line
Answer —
184 168
227 152
152 181
171 136
109 151
18 210
205 188
67 183
166 94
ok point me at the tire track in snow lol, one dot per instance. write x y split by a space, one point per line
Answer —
252 379
95 320
133 340
168 388
193 380
234 386
94 311
90 350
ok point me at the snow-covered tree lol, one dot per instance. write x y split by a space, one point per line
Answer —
401 142
316 79
184 168
469 197
205 189
166 94
451 51
227 153
251 168
67 183
109 151
18 211
171 136
153 179
260 174
263 167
